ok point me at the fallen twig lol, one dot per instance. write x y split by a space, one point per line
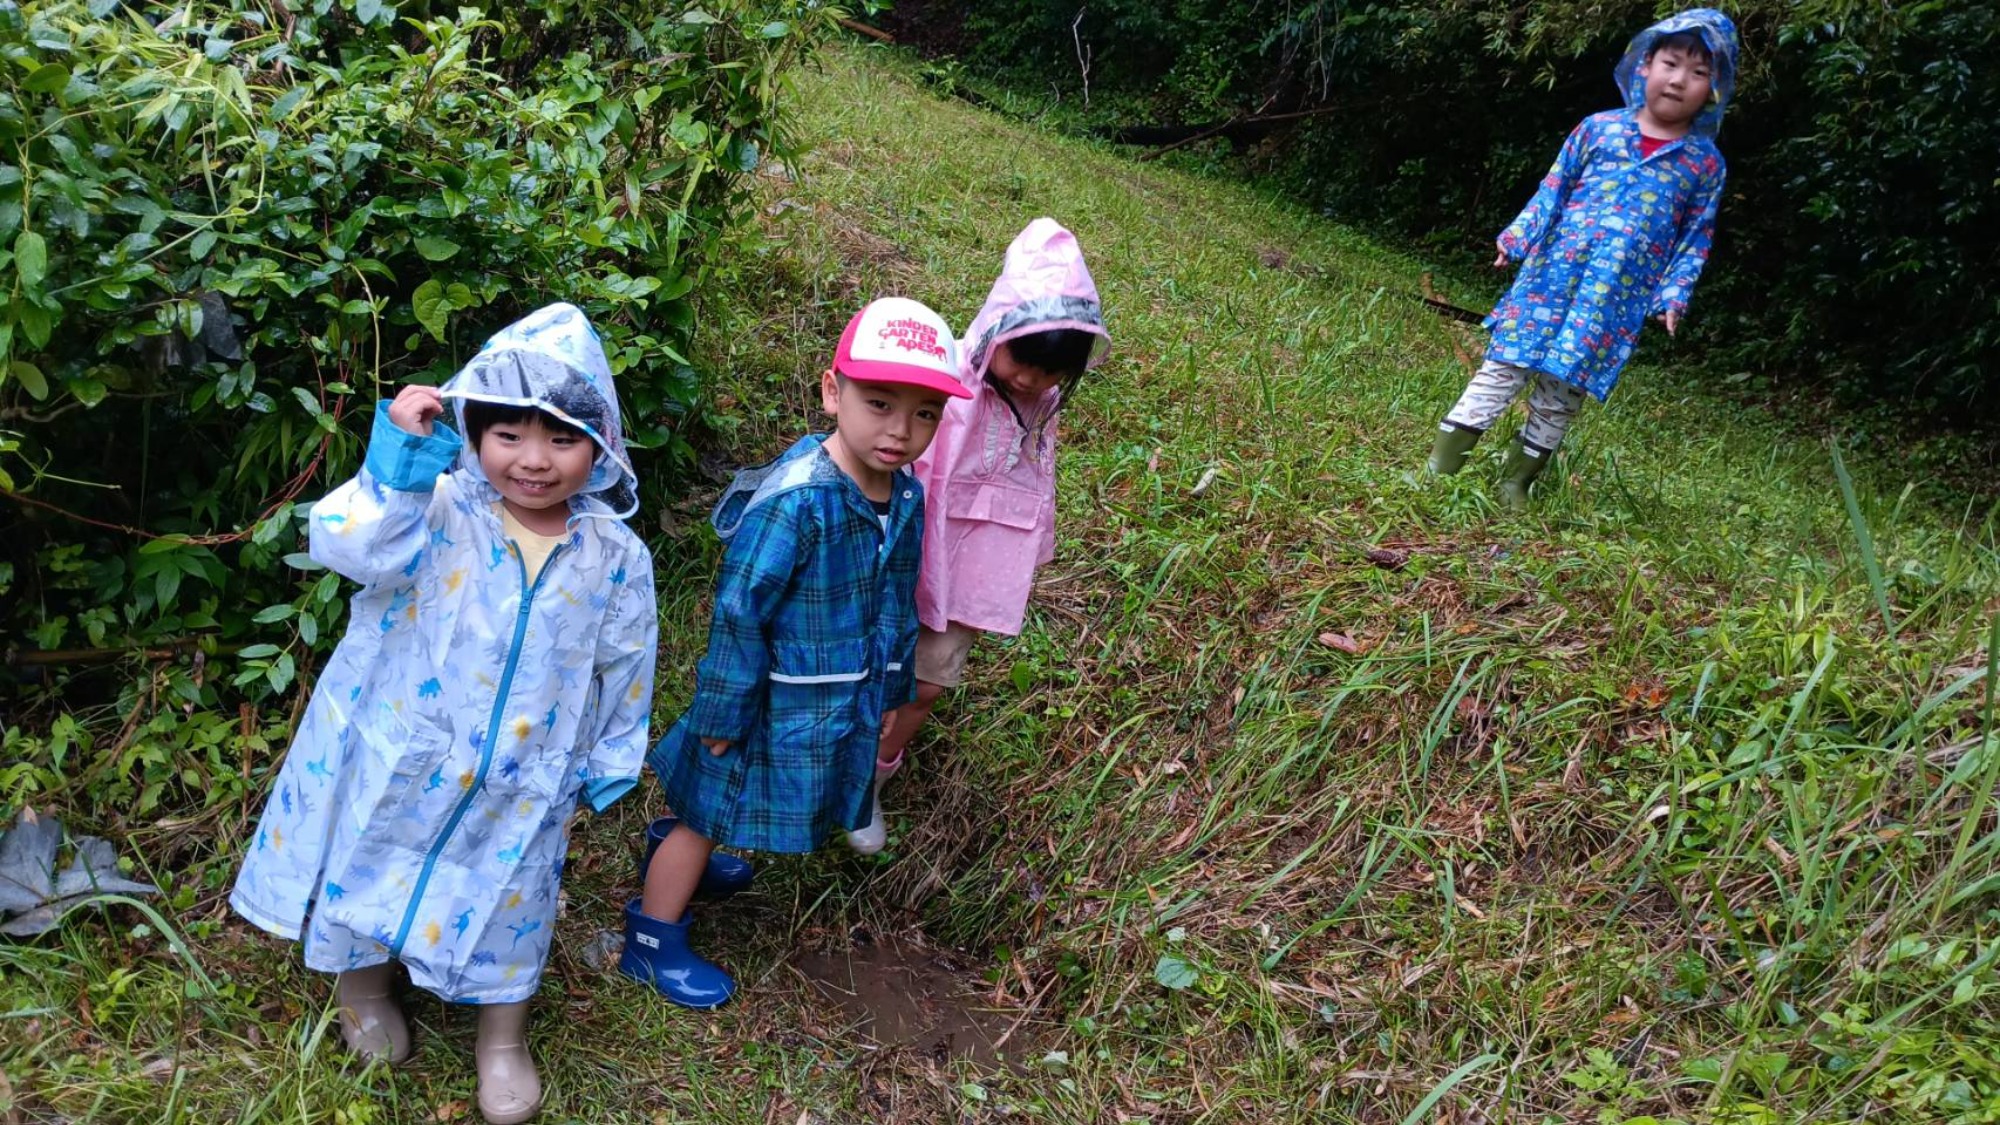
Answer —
875 33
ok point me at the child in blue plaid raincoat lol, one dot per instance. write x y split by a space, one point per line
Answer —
497 669
811 645
1618 231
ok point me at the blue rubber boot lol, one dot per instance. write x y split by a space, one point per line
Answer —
657 954
725 875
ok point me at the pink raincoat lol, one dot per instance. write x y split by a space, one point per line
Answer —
990 481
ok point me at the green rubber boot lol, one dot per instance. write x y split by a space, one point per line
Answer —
1449 449
1524 463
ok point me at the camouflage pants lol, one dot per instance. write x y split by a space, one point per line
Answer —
1552 404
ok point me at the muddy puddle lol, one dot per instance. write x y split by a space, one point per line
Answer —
898 992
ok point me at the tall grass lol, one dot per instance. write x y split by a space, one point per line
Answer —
1316 789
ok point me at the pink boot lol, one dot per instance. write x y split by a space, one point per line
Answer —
875 836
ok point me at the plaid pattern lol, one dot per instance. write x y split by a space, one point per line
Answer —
813 638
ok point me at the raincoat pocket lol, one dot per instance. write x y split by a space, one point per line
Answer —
996 503
816 692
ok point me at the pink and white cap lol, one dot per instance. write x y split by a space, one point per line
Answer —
897 340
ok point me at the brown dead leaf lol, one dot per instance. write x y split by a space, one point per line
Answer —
1388 558
1650 693
449 1111
1343 642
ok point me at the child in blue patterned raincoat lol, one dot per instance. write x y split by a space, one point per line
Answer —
497 667
1618 231
811 645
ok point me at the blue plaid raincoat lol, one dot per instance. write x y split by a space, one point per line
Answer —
1611 237
422 811
813 639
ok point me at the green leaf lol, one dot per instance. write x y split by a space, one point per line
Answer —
31 258
30 377
1438 1092
166 583
308 628
696 15
436 249
258 652
299 560
431 307
282 671
367 10
201 244
49 78
288 101
1175 972
776 29
1023 676
36 324
272 613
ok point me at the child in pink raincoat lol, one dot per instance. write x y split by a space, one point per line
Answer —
990 474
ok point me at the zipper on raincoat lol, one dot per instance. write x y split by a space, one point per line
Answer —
486 745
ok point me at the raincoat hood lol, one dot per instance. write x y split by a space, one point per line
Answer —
1043 286
796 467
552 360
1717 31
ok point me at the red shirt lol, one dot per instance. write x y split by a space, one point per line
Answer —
1650 145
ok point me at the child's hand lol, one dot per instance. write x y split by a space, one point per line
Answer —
1671 319
1500 260
414 407
716 746
888 722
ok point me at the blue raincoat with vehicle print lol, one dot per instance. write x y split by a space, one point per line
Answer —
422 811
812 640
1612 237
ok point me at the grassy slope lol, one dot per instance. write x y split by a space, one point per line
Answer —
1625 806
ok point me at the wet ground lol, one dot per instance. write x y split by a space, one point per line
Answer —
898 992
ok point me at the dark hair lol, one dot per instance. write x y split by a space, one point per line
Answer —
1062 352
483 416
1689 42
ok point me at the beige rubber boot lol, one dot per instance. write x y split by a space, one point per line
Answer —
371 1022
510 1091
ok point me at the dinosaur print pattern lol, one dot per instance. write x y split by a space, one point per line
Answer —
421 810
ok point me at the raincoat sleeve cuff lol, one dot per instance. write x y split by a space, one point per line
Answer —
713 718
409 462
601 792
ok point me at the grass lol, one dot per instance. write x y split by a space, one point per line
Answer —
1316 790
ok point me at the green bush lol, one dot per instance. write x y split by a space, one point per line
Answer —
1853 251
228 228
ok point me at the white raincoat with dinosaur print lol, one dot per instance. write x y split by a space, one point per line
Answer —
422 810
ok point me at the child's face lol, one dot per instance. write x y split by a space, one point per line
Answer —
1678 83
1025 384
879 427
535 468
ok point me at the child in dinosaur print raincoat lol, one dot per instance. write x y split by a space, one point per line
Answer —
1618 231
497 667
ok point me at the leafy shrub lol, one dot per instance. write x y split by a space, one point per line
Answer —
228 228
1864 145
